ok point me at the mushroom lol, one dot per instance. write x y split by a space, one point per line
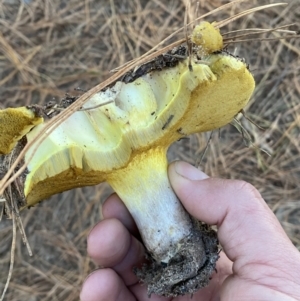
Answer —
14 124
125 142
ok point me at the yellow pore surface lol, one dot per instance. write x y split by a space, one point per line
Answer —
14 124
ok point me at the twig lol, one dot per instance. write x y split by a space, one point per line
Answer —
12 254
205 150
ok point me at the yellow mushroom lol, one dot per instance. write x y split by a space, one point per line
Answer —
125 143
15 124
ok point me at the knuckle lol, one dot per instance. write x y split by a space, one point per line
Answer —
247 189
249 197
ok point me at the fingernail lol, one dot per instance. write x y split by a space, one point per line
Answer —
188 171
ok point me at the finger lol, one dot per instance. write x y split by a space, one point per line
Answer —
247 228
115 208
110 245
134 258
140 292
108 242
106 285
212 290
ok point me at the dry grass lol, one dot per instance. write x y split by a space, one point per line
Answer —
48 48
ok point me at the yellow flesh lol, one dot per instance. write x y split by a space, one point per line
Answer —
150 113
90 145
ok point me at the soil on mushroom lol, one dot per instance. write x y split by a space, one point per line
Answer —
51 47
200 251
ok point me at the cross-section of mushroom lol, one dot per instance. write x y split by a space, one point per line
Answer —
125 142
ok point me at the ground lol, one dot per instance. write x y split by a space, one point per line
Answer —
48 48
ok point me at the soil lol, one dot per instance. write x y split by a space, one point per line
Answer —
189 270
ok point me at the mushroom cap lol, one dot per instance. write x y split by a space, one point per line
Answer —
155 110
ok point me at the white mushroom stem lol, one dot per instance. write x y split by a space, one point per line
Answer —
146 191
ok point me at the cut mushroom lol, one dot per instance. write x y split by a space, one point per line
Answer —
125 142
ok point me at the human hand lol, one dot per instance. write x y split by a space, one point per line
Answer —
260 262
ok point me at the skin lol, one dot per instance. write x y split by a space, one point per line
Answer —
259 261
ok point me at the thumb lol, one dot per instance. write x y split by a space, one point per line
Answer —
247 228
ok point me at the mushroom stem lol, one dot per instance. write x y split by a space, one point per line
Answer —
144 187
183 252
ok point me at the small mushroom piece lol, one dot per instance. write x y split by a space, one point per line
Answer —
15 124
